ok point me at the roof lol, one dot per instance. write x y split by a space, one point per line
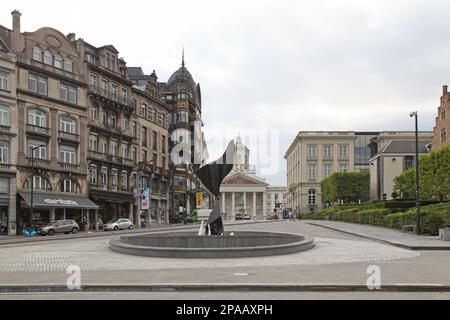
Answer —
182 74
405 146
135 71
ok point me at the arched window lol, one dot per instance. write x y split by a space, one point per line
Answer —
37 118
48 57
68 185
39 183
113 120
68 125
312 196
37 54
68 65
58 61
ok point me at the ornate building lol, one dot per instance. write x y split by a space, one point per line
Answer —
441 131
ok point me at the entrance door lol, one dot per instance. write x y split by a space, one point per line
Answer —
3 221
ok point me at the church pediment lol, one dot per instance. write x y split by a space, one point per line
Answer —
242 179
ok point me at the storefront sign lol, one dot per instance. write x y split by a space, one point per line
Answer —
60 201
145 198
199 200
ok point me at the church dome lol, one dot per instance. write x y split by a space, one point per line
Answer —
182 75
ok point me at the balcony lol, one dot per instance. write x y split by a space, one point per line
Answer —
51 69
5 166
96 155
69 167
5 128
72 137
38 162
115 97
33 129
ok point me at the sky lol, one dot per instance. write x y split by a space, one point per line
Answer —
269 69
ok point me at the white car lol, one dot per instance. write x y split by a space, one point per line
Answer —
118 224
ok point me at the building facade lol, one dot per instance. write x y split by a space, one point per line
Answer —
441 130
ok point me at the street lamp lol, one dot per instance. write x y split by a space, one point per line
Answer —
32 182
414 114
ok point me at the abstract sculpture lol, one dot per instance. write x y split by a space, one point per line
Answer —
212 175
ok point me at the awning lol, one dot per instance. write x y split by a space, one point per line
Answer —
42 200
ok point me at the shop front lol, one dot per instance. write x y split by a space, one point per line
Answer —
49 207
111 206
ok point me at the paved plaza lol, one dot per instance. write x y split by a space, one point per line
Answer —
337 259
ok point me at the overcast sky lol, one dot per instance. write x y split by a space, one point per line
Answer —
276 67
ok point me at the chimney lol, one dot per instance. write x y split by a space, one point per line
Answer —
16 21
444 90
71 36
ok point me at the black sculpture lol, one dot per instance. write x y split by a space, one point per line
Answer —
212 175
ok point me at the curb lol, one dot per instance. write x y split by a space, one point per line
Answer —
225 287
404 246
101 234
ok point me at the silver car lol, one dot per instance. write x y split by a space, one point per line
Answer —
118 224
60 226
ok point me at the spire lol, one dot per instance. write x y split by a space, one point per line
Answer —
182 59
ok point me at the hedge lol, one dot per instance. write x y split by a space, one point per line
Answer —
433 216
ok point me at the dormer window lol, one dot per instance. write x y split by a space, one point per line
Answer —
48 57
37 54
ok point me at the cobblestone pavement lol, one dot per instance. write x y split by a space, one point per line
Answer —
95 255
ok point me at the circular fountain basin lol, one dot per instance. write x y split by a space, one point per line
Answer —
234 244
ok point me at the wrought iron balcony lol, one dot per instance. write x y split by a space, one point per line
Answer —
114 96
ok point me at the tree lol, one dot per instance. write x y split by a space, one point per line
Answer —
346 186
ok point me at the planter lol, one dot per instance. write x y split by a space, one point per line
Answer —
444 234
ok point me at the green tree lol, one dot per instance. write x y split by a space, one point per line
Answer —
346 186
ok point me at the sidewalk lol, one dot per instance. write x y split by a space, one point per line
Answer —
384 235
4 240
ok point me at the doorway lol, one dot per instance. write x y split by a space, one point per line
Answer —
3 221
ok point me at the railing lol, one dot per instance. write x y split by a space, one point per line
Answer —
50 68
68 135
128 162
96 155
5 128
37 129
110 95
69 166
6 166
38 162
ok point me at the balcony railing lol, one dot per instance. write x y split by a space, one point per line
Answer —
5 166
38 162
117 97
96 155
69 166
5 128
69 136
37 129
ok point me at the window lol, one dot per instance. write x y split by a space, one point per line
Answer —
114 179
4 185
114 148
37 54
125 154
183 117
39 153
163 144
134 130
68 185
124 94
104 118
133 180
155 159
40 183
37 84
48 57
144 156
94 111
93 80
409 162
124 180
312 151
311 171
104 178
113 120
312 197
68 65
104 147
144 136
343 151
163 162
134 155
104 87
68 125
144 111
125 123
327 151
67 154
93 142
154 115
68 93
3 80
4 115
343 167
155 141
326 170
37 118
114 90
443 135
58 61
4 152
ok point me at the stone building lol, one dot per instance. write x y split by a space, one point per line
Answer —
441 130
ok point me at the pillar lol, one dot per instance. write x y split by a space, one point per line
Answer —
254 205
245 201
223 199
264 204
158 212
233 209
130 211
52 214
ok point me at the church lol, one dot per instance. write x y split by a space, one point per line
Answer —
246 194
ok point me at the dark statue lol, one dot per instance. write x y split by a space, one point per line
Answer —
212 175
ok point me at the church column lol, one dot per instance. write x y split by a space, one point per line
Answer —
254 205
245 201
264 204
233 212
223 198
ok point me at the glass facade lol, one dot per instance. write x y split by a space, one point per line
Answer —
362 151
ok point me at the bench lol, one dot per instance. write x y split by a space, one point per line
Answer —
409 228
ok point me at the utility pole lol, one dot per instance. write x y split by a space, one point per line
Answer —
414 114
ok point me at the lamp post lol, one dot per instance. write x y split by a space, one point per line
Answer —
414 114
32 183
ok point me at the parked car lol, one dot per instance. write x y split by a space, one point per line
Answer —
118 224
238 216
60 226
246 217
